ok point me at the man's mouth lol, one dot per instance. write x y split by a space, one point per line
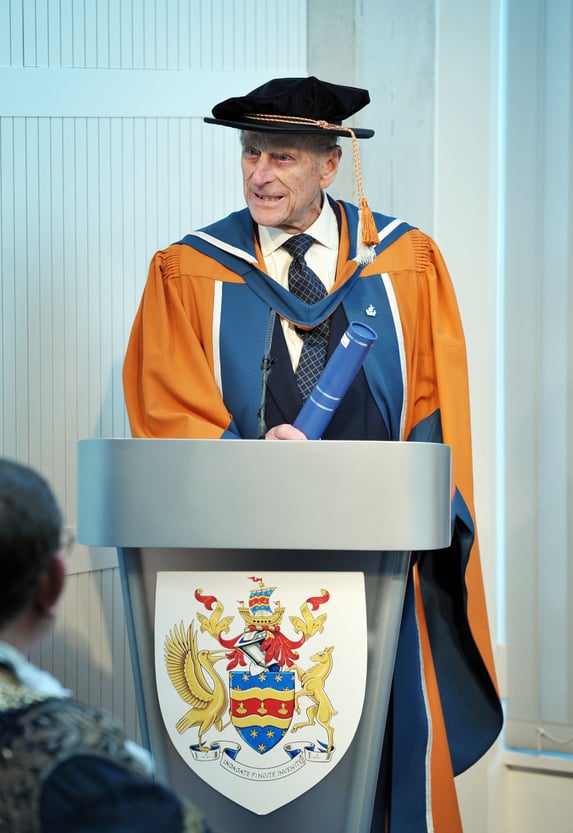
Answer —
267 198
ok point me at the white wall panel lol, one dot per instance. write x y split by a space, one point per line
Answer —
208 35
85 202
539 377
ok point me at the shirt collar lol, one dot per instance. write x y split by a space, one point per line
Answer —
324 230
28 675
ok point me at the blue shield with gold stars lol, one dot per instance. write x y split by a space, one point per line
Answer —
262 706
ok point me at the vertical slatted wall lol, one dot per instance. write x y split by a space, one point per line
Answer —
104 159
538 405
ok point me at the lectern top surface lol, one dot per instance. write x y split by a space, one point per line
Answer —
217 493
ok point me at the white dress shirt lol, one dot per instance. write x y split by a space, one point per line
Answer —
321 258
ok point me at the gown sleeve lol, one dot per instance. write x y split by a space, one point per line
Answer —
168 373
444 667
451 586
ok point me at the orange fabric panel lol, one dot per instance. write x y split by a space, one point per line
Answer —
443 798
437 379
179 397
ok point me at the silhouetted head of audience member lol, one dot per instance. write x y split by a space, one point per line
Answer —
32 567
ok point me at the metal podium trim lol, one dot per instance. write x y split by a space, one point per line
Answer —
387 495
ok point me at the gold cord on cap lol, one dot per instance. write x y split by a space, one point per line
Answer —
367 231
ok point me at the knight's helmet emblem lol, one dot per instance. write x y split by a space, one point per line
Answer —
259 618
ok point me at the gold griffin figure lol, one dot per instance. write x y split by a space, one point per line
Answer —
186 666
312 681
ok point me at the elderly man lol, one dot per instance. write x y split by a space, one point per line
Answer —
274 286
64 767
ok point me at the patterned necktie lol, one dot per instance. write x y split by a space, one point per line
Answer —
307 286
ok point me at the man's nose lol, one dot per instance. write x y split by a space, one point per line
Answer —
262 171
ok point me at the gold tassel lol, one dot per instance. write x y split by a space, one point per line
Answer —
369 230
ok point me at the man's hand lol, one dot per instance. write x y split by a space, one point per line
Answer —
284 432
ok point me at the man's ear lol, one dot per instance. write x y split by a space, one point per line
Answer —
50 586
329 167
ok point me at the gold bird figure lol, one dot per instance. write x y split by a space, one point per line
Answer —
186 667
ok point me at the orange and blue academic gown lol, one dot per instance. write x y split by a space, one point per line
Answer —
193 369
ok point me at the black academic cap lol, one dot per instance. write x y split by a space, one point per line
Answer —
294 105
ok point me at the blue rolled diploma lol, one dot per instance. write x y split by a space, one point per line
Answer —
335 380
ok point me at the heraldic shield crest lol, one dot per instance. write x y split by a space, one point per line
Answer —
261 678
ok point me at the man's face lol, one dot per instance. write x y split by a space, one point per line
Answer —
283 185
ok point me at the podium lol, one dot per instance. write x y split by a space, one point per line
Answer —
224 505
